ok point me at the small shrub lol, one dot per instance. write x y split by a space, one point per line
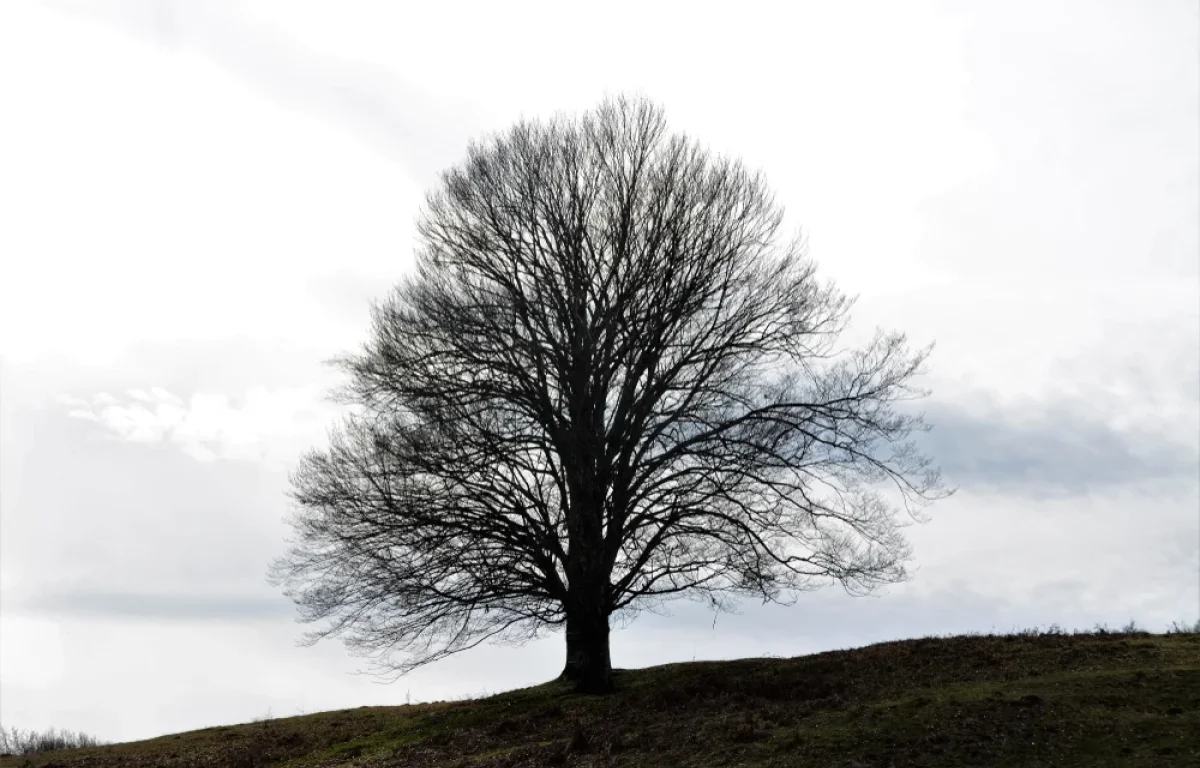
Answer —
14 741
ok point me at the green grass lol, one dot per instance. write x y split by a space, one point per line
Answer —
1031 699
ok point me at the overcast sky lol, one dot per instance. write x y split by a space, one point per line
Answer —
198 201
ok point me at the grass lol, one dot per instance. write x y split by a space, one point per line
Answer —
1034 698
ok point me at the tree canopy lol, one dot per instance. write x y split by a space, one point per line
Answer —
609 382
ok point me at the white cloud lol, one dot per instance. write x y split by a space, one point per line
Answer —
264 425
165 396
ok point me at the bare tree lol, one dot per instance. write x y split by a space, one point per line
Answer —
606 385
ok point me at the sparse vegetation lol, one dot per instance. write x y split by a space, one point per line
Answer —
1036 697
14 741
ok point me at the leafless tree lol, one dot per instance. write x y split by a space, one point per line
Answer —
607 384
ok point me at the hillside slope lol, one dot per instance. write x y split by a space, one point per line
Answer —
1010 700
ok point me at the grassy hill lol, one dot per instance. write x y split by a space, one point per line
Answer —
1096 699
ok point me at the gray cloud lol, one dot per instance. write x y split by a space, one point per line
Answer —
1050 449
831 618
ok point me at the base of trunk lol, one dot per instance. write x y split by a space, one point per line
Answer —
589 664
589 681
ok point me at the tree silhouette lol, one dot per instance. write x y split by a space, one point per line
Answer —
606 385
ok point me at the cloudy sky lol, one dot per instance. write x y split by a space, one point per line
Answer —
198 201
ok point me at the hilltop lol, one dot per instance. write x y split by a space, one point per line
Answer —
1029 699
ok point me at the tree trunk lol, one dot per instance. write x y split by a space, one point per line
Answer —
588 665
